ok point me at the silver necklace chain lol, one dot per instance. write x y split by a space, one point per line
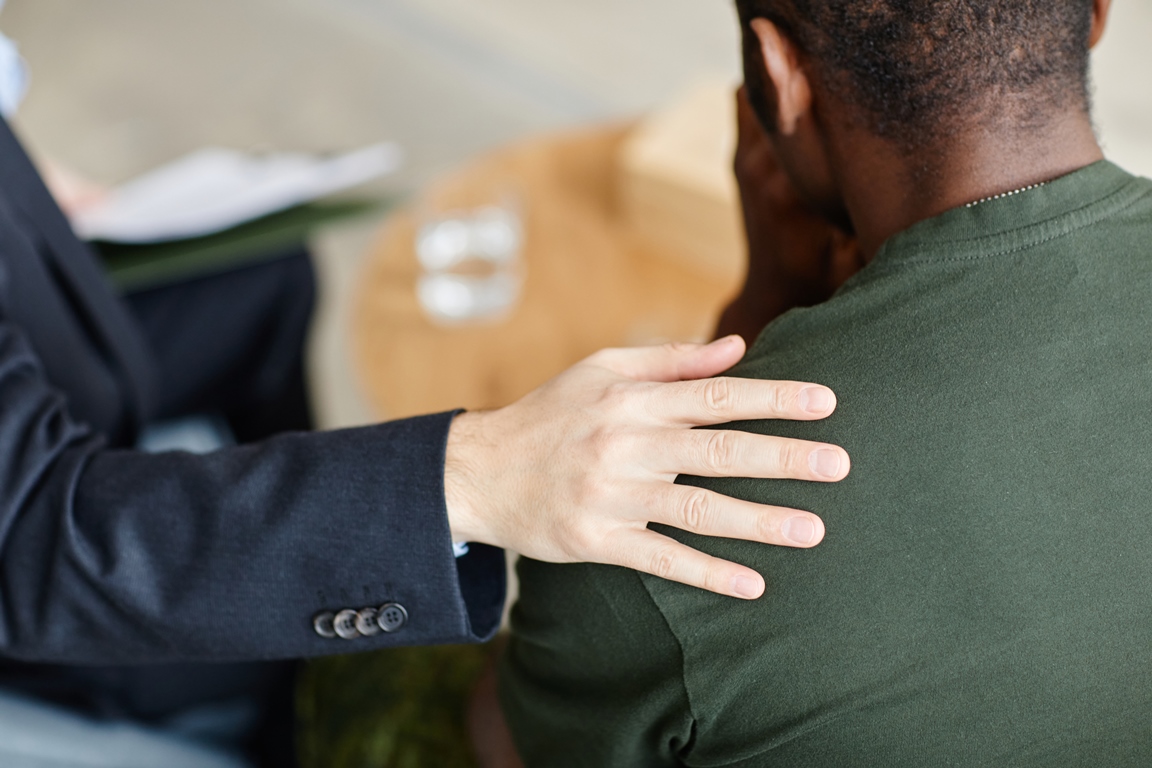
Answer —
1003 195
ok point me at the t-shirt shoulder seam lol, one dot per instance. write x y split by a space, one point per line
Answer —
679 645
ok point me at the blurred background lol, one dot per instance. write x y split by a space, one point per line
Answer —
121 86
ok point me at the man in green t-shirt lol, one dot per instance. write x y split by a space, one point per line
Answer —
983 596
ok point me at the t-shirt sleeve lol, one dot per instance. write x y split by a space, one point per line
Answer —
592 676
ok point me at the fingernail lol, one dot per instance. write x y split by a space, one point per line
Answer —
745 586
817 400
800 530
825 462
726 340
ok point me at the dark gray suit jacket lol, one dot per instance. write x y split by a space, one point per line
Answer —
109 556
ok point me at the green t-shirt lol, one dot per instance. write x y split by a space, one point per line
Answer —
984 593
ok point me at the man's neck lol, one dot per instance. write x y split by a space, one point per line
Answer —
887 191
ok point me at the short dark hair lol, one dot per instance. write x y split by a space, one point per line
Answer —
918 68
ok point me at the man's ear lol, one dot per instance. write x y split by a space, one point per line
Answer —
782 65
1100 9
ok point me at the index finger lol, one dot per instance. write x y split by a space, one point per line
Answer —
675 361
724 399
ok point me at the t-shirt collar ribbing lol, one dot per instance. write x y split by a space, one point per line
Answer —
1015 223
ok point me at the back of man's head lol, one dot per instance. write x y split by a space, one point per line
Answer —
917 69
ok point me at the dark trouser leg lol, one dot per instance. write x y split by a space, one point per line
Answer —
234 344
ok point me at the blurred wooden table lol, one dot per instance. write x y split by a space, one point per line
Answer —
590 284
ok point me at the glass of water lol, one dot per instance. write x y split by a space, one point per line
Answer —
470 249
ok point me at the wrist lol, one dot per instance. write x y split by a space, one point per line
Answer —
462 489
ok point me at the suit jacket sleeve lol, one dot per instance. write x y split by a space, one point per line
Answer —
111 556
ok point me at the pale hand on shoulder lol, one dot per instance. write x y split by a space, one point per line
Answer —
575 471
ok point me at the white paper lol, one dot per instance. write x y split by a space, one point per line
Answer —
215 189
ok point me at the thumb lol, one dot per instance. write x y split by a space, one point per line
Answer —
674 362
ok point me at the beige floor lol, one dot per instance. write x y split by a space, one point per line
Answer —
122 85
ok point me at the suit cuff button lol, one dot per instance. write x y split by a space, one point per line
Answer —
324 624
345 625
366 623
392 617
